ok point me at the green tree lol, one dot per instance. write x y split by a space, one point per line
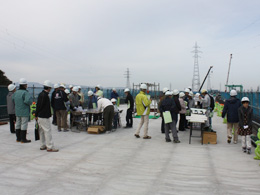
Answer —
3 79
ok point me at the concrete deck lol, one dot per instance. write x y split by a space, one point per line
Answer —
118 163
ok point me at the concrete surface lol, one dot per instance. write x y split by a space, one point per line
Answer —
120 164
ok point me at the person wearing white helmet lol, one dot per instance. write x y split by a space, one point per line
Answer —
230 111
11 107
168 105
116 113
143 109
54 118
182 112
81 95
205 99
129 100
74 101
98 92
245 114
114 94
108 112
70 87
60 101
197 101
43 115
22 101
92 104
165 89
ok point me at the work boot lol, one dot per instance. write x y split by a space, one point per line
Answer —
249 151
229 140
244 150
168 140
18 135
23 137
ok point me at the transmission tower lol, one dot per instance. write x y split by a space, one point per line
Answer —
127 76
196 73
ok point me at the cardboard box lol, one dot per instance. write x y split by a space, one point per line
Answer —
209 138
96 129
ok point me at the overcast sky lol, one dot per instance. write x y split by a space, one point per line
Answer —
89 42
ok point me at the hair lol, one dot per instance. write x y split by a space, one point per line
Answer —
22 87
46 88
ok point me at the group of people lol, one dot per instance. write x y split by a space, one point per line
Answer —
239 120
62 101
171 105
177 104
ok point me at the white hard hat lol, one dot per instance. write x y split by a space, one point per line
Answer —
245 99
197 95
47 83
165 89
67 91
191 94
175 92
75 89
79 87
70 86
90 93
233 92
168 93
182 94
56 86
23 81
11 87
113 100
98 86
114 89
62 85
143 86
126 90
187 90
204 91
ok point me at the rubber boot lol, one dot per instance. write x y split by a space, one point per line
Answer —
18 135
23 137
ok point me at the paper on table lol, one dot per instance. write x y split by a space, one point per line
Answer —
94 106
167 117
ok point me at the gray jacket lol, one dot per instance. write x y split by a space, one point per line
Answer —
10 103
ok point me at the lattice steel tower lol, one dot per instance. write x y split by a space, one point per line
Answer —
127 76
196 73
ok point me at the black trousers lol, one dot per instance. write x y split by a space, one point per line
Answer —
12 119
129 118
95 117
108 117
163 126
182 122
54 118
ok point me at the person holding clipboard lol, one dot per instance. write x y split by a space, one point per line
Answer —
167 108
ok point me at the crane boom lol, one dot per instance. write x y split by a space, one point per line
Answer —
228 71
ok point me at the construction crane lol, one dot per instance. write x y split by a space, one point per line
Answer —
205 78
228 72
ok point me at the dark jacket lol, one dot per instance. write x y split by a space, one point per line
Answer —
241 113
114 95
168 104
129 98
60 98
43 108
52 98
231 107
177 103
10 103
90 102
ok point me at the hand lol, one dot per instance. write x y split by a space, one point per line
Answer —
36 118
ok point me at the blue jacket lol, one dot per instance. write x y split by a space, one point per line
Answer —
231 107
114 95
168 104
22 101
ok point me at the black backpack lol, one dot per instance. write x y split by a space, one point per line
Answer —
212 103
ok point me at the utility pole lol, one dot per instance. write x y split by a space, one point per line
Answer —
196 74
228 71
127 76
